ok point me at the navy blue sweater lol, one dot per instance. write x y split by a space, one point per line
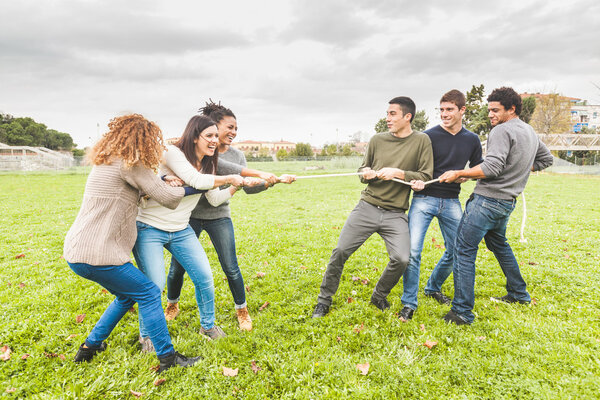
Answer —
451 152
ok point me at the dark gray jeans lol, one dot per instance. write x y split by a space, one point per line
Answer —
363 221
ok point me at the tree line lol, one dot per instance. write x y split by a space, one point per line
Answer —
24 131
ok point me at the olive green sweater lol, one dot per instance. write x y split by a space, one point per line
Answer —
412 154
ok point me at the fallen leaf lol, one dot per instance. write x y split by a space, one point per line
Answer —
247 288
136 394
11 390
230 371
132 310
365 281
255 368
22 285
350 300
355 278
260 274
429 344
62 357
5 356
154 368
438 246
9 284
375 269
303 267
363 368
433 240
359 328
159 381
25 356
79 319
339 339
36 263
481 338
22 255
534 301
104 291
50 355
71 336
265 305
532 263
422 327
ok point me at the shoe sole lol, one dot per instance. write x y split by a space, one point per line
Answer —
509 302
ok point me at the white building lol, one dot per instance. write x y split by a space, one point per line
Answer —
585 116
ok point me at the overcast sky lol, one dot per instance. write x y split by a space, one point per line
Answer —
311 71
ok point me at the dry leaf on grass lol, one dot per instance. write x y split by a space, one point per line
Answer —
422 327
255 368
265 305
350 300
363 368
20 255
25 356
11 390
71 336
136 394
359 329
22 285
230 371
159 381
5 353
430 344
365 281
260 274
79 319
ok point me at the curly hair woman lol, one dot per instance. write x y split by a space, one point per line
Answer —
99 243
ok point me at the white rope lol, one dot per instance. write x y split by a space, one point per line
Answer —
357 173
523 239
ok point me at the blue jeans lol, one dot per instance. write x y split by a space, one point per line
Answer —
484 217
184 246
422 211
129 286
222 237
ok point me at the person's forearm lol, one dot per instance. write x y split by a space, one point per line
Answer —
473 173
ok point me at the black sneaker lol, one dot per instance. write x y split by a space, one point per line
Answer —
320 310
406 314
170 360
508 299
86 353
382 304
440 298
453 318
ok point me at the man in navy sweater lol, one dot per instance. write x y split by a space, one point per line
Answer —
453 147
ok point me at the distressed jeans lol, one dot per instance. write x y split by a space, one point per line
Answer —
422 211
484 218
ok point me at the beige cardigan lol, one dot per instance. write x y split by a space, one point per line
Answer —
104 231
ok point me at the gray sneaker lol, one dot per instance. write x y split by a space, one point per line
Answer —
147 346
213 333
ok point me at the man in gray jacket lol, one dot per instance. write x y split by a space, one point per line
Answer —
514 150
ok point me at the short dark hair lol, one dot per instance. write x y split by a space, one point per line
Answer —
455 97
216 111
507 97
186 144
406 104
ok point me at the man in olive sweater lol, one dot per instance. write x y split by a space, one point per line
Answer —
513 151
400 153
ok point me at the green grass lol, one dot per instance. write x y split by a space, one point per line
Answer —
544 351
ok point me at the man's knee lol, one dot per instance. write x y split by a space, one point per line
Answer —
399 260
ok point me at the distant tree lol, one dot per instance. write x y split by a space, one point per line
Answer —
282 154
552 114
476 112
263 152
78 152
359 136
331 150
528 108
420 121
346 150
27 132
302 150
381 126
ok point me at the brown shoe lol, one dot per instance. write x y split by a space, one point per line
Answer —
172 311
244 319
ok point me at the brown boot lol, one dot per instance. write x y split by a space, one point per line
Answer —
244 319
172 311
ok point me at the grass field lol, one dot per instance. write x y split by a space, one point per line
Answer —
549 350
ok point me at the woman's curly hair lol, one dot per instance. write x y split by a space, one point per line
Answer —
131 138
215 111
